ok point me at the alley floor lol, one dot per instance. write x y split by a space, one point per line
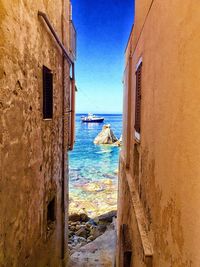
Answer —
99 253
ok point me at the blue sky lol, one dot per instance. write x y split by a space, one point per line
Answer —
103 28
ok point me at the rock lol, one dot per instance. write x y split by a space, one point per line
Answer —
106 136
70 246
119 142
86 230
80 239
97 231
75 240
72 224
93 187
107 217
77 227
80 226
101 249
101 228
82 232
84 217
92 222
71 233
116 171
79 245
88 225
91 238
73 228
74 217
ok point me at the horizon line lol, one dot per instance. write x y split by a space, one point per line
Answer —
111 113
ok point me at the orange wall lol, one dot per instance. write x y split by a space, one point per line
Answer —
31 154
169 183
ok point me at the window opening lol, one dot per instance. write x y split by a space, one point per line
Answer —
47 93
138 101
51 217
127 258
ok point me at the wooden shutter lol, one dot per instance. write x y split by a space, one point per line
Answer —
138 99
47 93
72 117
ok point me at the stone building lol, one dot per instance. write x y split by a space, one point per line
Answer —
159 199
37 53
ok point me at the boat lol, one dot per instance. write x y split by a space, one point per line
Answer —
92 118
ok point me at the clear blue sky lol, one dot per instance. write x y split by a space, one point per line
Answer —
103 28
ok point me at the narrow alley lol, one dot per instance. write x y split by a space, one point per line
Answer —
95 170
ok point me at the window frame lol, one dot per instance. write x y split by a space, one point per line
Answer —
138 93
47 78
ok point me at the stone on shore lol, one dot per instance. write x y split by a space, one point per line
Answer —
119 142
81 233
107 217
79 217
84 217
74 217
99 252
106 136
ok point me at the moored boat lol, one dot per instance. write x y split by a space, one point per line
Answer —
92 118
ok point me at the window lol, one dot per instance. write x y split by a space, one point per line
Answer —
51 216
126 245
138 101
47 93
127 258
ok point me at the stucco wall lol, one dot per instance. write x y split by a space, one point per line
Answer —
30 147
170 127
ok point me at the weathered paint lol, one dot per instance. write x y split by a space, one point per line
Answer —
164 166
31 149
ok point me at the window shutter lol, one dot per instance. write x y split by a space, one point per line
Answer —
47 93
72 116
138 99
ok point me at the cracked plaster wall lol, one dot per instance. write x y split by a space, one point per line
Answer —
168 182
30 147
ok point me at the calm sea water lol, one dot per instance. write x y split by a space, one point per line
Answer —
90 163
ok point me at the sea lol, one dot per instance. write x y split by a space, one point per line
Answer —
93 168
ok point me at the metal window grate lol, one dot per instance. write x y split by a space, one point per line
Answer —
138 99
47 93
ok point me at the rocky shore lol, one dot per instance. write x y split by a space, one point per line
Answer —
83 229
94 197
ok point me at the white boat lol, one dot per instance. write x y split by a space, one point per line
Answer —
92 118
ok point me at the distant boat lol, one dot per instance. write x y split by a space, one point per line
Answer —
92 118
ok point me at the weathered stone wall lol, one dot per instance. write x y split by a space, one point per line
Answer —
31 149
167 179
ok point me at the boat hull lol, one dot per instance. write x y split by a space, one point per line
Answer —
93 120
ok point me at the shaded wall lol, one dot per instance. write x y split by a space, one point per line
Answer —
164 166
32 172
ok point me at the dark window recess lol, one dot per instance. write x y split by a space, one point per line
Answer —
138 99
127 245
127 258
47 93
51 214
136 156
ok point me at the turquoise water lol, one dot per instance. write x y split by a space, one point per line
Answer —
92 164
